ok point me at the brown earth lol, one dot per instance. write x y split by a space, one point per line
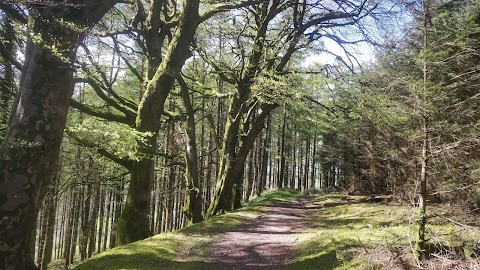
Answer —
262 243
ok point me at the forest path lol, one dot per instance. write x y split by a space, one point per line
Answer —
262 243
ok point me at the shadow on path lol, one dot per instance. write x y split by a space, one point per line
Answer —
262 243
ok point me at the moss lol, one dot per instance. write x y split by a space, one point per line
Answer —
342 232
364 235
158 252
271 197
164 251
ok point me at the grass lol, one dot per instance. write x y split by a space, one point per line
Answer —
343 232
165 251
347 232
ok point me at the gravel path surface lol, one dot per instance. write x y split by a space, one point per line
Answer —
263 243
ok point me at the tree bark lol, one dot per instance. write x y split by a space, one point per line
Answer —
193 191
133 223
50 205
31 146
232 164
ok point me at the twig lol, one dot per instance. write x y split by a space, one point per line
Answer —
361 243
460 224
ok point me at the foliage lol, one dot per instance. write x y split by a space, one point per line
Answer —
120 140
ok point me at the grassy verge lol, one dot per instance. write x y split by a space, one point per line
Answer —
183 249
346 232
342 232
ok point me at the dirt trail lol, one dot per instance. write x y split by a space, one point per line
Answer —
263 243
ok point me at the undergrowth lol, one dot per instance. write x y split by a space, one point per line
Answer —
349 232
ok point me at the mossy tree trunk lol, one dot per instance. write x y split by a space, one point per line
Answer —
232 163
30 150
193 192
7 85
236 147
133 224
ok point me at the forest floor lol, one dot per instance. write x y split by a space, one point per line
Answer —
265 242
287 230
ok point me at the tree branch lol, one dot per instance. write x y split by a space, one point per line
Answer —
226 7
10 58
122 162
101 114
14 12
130 115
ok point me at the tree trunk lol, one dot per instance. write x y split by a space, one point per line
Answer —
193 192
61 235
101 218
75 229
294 159
232 161
282 179
266 146
133 224
421 244
29 152
250 176
108 213
68 229
306 166
170 197
92 234
50 205
118 210
85 225
7 86
312 175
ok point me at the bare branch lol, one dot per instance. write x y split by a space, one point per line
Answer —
226 7
10 58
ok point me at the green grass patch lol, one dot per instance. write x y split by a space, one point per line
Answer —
157 252
347 232
342 232
164 251
271 197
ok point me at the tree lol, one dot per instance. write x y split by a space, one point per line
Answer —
280 29
164 40
8 47
30 150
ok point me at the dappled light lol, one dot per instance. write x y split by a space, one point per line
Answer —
240 134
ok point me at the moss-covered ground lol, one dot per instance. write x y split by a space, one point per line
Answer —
342 232
351 232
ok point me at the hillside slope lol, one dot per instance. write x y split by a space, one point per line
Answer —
285 230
